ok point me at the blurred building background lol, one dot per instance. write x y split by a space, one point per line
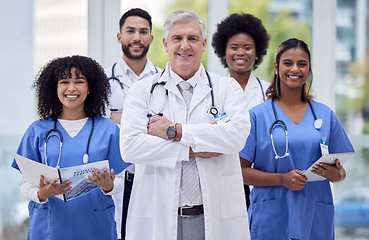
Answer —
36 31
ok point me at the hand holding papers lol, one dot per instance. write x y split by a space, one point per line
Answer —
78 175
329 159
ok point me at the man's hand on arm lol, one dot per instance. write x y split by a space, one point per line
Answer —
116 117
158 127
204 154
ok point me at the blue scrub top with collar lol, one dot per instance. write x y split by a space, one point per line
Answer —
277 212
90 216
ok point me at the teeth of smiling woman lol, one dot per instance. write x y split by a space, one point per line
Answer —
294 77
71 96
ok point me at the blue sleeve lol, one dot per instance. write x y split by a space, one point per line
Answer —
115 160
28 146
339 142
248 151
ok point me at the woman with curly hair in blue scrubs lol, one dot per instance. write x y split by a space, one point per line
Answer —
284 205
72 93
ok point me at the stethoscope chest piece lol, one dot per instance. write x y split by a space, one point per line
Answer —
85 158
318 123
213 111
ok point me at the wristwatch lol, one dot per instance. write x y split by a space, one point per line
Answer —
171 131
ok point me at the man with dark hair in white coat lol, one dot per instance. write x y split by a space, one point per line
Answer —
135 37
183 129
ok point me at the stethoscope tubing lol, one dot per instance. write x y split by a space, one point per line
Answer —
60 136
261 88
317 124
113 77
213 110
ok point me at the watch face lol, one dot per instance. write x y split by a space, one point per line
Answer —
171 132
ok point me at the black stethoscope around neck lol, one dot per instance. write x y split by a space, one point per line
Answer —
212 110
60 136
317 124
114 78
262 89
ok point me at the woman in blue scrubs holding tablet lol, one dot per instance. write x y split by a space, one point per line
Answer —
72 93
284 205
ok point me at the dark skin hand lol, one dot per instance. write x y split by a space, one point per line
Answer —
54 188
293 180
105 182
333 173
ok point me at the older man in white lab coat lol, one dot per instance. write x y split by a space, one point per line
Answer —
185 141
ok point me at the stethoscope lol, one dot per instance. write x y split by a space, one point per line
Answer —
317 124
212 110
114 78
261 88
60 136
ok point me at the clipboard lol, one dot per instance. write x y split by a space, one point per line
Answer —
329 159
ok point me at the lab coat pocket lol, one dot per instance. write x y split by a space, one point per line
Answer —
233 202
39 222
322 227
102 220
267 221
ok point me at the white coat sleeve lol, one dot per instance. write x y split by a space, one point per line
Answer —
29 191
136 145
226 138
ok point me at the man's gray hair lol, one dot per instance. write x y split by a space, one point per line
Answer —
183 16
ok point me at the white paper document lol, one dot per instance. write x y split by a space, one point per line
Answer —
329 159
32 170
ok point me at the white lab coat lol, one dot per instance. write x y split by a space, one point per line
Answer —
153 208
116 101
253 91
127 78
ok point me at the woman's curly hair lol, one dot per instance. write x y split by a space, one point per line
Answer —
241 23
46 83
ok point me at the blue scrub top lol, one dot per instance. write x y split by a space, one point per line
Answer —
90 216
277 212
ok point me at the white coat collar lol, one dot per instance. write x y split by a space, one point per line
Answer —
123 71
252 82
254 91
201 90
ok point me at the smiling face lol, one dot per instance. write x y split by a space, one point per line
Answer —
135 37
240 53
185 46
72 93
294 69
